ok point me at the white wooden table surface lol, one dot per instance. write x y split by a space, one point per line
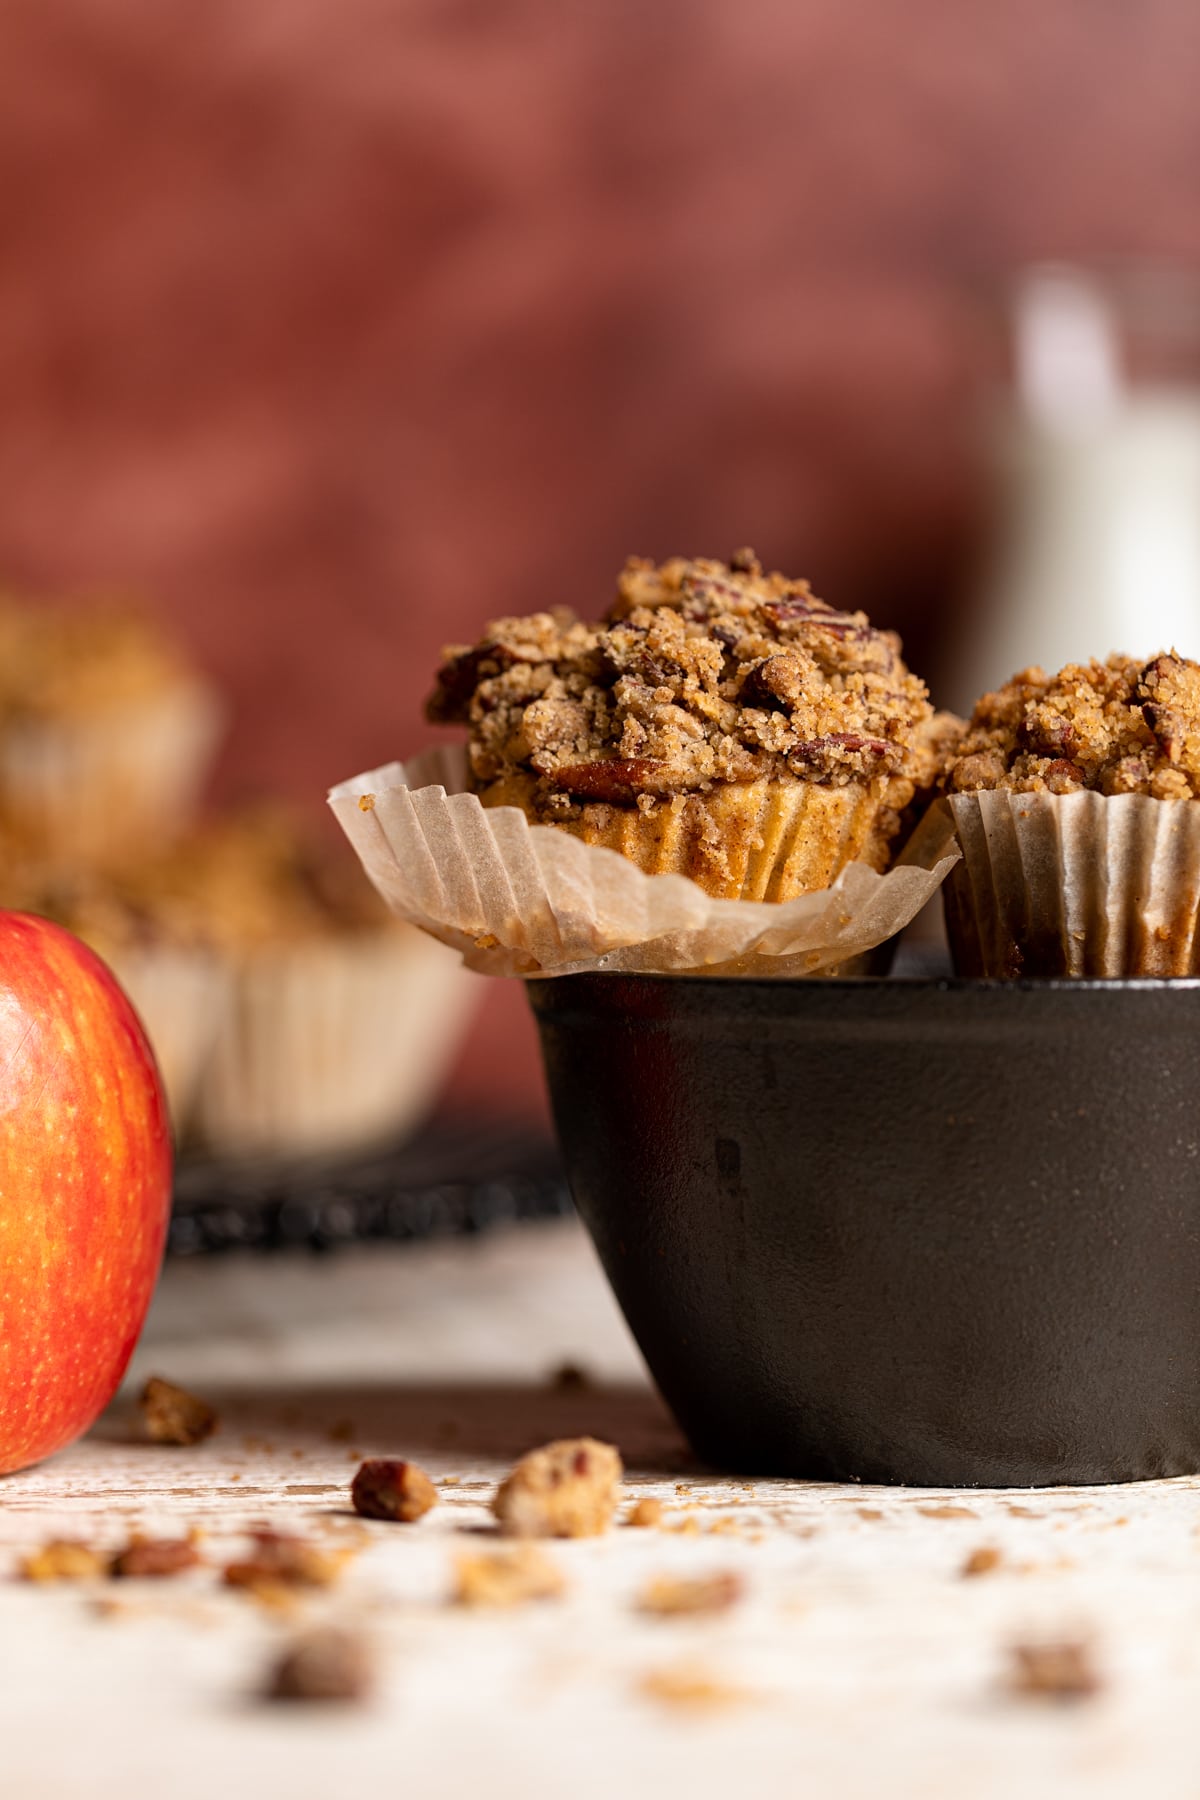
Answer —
859 1662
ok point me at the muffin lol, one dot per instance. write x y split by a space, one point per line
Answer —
719 723
1075 801
106 733
340 1023
288 1012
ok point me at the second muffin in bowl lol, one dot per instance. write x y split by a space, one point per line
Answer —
1075 798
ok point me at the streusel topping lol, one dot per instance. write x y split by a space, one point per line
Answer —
1117 727
701 673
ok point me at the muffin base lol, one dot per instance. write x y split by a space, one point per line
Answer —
761 840
1083 884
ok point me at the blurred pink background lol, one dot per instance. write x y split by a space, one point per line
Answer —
336 327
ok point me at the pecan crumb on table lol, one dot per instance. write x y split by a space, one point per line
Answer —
64 1559
386 1489
155 1556
327 1664
1054 1671
173 1416
690 1688
668 1596
982 1561
282 1561
565 1489
506 1578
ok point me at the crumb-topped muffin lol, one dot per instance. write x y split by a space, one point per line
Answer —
1074 800
720 723
1115 727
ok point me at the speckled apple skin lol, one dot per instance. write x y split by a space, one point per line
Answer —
85 1187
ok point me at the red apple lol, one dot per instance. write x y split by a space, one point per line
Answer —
85 1186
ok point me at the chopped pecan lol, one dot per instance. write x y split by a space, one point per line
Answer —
458 678
1054 1671
616 781
173 1416
982 1561
323 1665
566 1489
814 750
64 1559
283 1561
386 1489
506 1578
155 1557
668 1595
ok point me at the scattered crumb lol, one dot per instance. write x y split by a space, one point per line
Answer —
946 1511
690 1688
1025 1512
281 1561
171 1415
155 1556
570 1378
669 1596
449 1481
982 1561
869 1512
385 1489
342 1430
565 1489
328 1664
1063 1671
506 1578
64 1559
645 1514
687 1525
726 1526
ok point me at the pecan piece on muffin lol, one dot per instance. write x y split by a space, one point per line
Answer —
719 723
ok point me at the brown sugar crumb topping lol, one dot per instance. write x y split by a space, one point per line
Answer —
1117 727
566 1489
328 1664
700 674
1054 1671
282 1561
173 1416
385 1489
157 1557
669 1596
983 1561
64 1559
506 1578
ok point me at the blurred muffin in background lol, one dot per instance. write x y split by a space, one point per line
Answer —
107 734
289 1013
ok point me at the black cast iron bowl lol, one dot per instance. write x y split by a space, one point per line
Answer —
937 1232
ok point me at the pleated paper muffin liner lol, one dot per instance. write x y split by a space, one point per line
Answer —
1084 884
333 1044
762 840
522 899
180 996
90 790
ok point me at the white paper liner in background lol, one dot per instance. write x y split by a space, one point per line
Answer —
88 790
180 996
521 899
332 1045
1080 884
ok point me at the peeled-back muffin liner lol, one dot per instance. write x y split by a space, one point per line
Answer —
331 1044
531 900
1085 884
180 996
92 789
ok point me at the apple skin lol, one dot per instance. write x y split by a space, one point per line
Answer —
85 1186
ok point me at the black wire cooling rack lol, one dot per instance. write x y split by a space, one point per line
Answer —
458 1176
